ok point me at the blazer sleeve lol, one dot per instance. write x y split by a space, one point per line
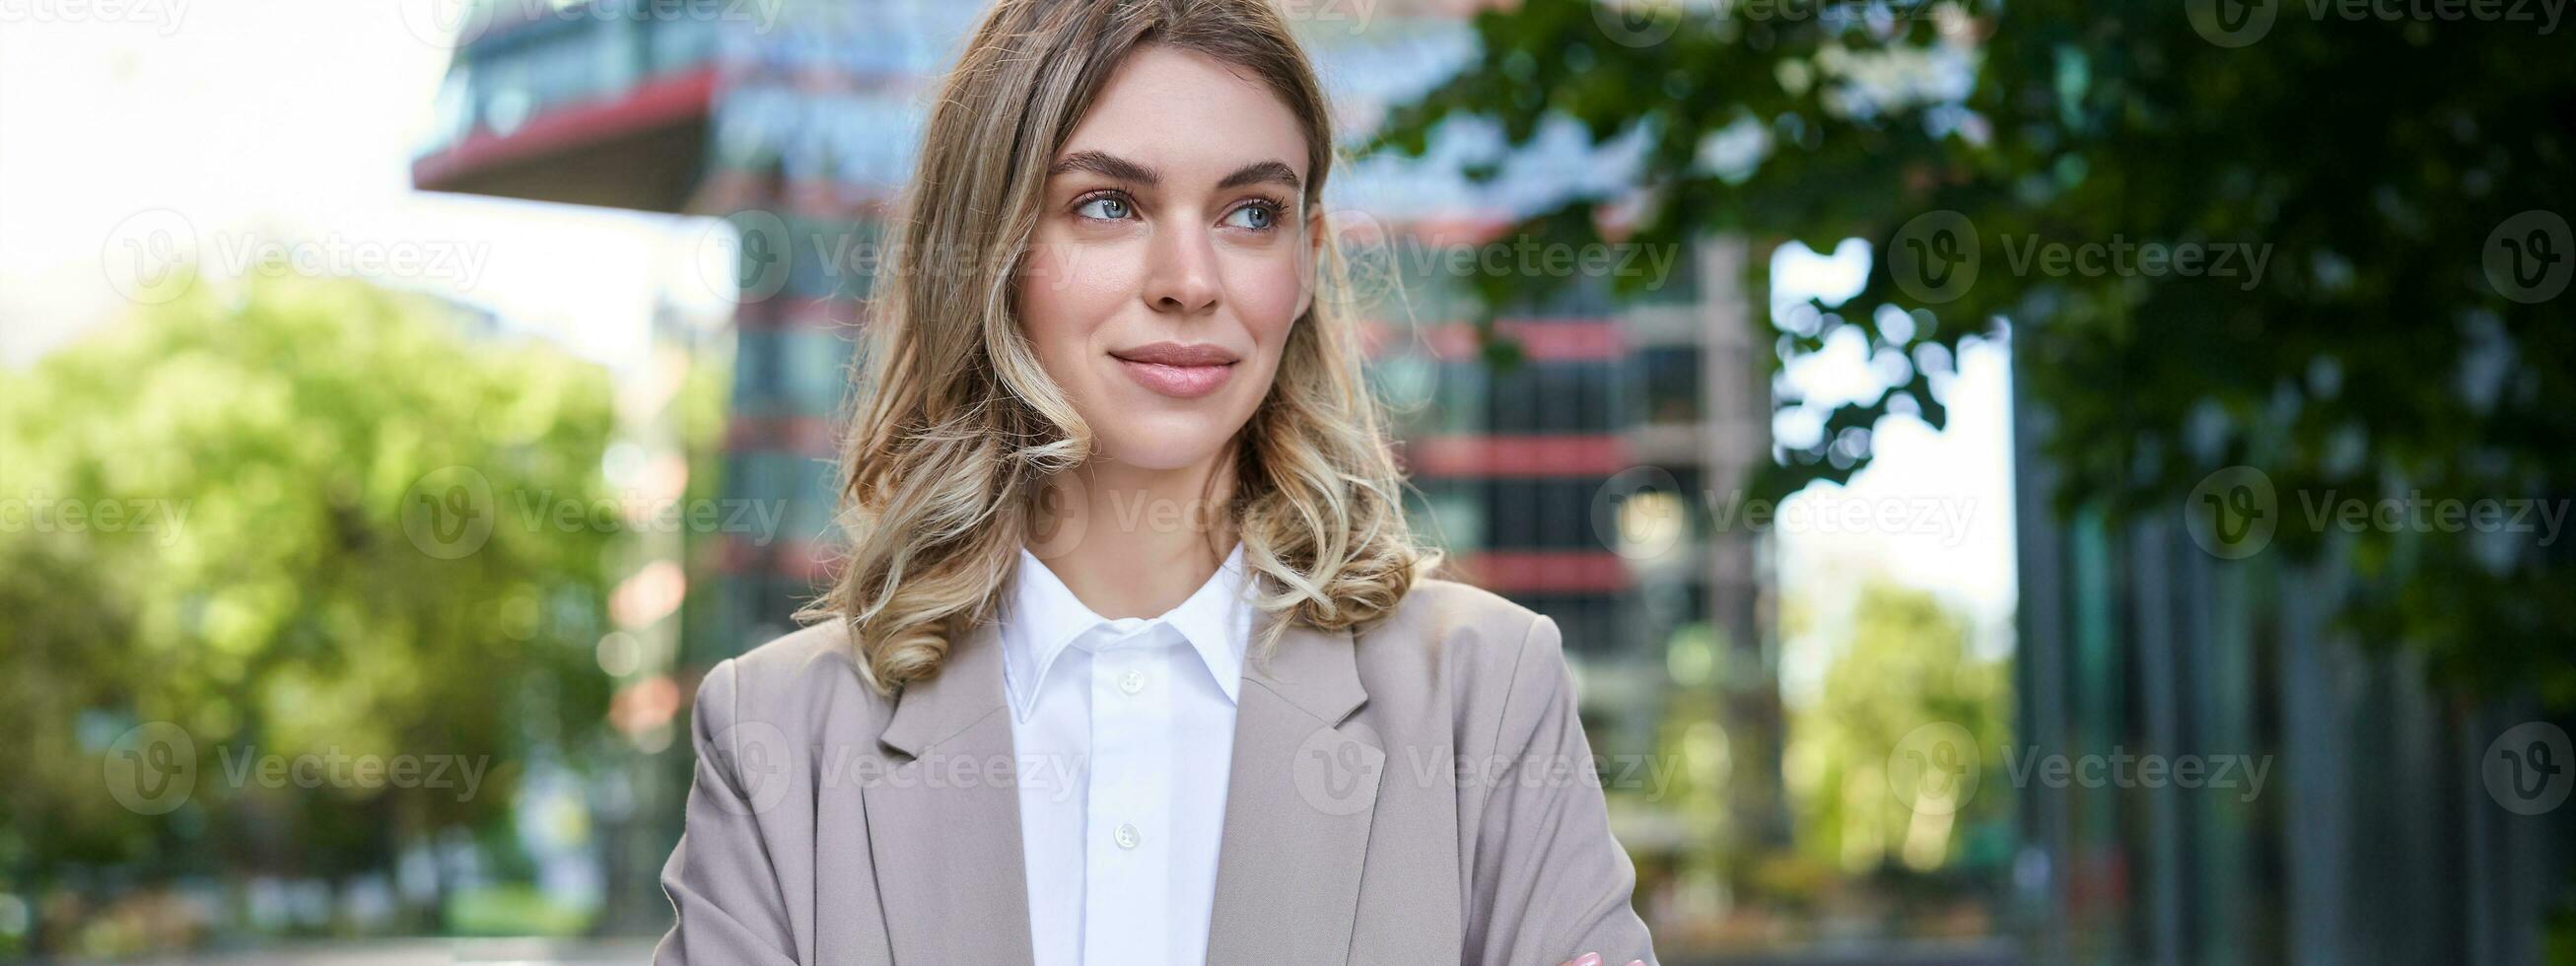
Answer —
1550 883
726 898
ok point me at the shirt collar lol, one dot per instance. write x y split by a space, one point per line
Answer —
1044 618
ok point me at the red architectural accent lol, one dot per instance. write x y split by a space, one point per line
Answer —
653 104
1550 341
1473 456
1545 571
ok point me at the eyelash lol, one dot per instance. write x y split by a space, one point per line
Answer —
1276 210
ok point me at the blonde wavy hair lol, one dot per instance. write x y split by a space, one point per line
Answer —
957 429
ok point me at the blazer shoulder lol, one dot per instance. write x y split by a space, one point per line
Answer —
1477 637
1454 602
809 668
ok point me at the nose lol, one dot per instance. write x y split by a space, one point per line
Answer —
1183 276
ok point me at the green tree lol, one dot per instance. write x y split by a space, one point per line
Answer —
292 517
1895 761
2382 168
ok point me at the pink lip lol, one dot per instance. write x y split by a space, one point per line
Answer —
1176 370
1179 382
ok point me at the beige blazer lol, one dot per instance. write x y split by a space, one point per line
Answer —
1421 794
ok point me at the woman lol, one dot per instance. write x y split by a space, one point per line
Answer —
1134 659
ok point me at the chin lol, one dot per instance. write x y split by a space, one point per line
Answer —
1153 446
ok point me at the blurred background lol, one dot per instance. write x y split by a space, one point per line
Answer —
2032 482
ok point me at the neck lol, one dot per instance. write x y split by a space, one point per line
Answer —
1130 541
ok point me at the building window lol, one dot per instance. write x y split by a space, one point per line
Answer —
1672 385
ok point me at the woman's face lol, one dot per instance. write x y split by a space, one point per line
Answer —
1171 258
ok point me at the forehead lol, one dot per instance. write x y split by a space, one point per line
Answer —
1191 116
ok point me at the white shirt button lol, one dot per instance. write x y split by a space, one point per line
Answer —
1133 682
1128 836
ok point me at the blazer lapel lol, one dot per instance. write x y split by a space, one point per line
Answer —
943 817
1299 802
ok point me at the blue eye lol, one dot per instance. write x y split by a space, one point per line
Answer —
1263 217
1112 208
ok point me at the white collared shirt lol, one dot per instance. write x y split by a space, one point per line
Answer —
1124 731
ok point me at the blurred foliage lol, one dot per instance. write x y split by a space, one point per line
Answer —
265 445
1903 681
1697 755
2370 159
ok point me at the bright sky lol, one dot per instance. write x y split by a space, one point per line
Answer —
1933 510
233 123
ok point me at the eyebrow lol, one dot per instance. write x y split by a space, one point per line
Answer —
1120 169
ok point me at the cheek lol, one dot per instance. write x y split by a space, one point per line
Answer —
1060 311
1266 298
